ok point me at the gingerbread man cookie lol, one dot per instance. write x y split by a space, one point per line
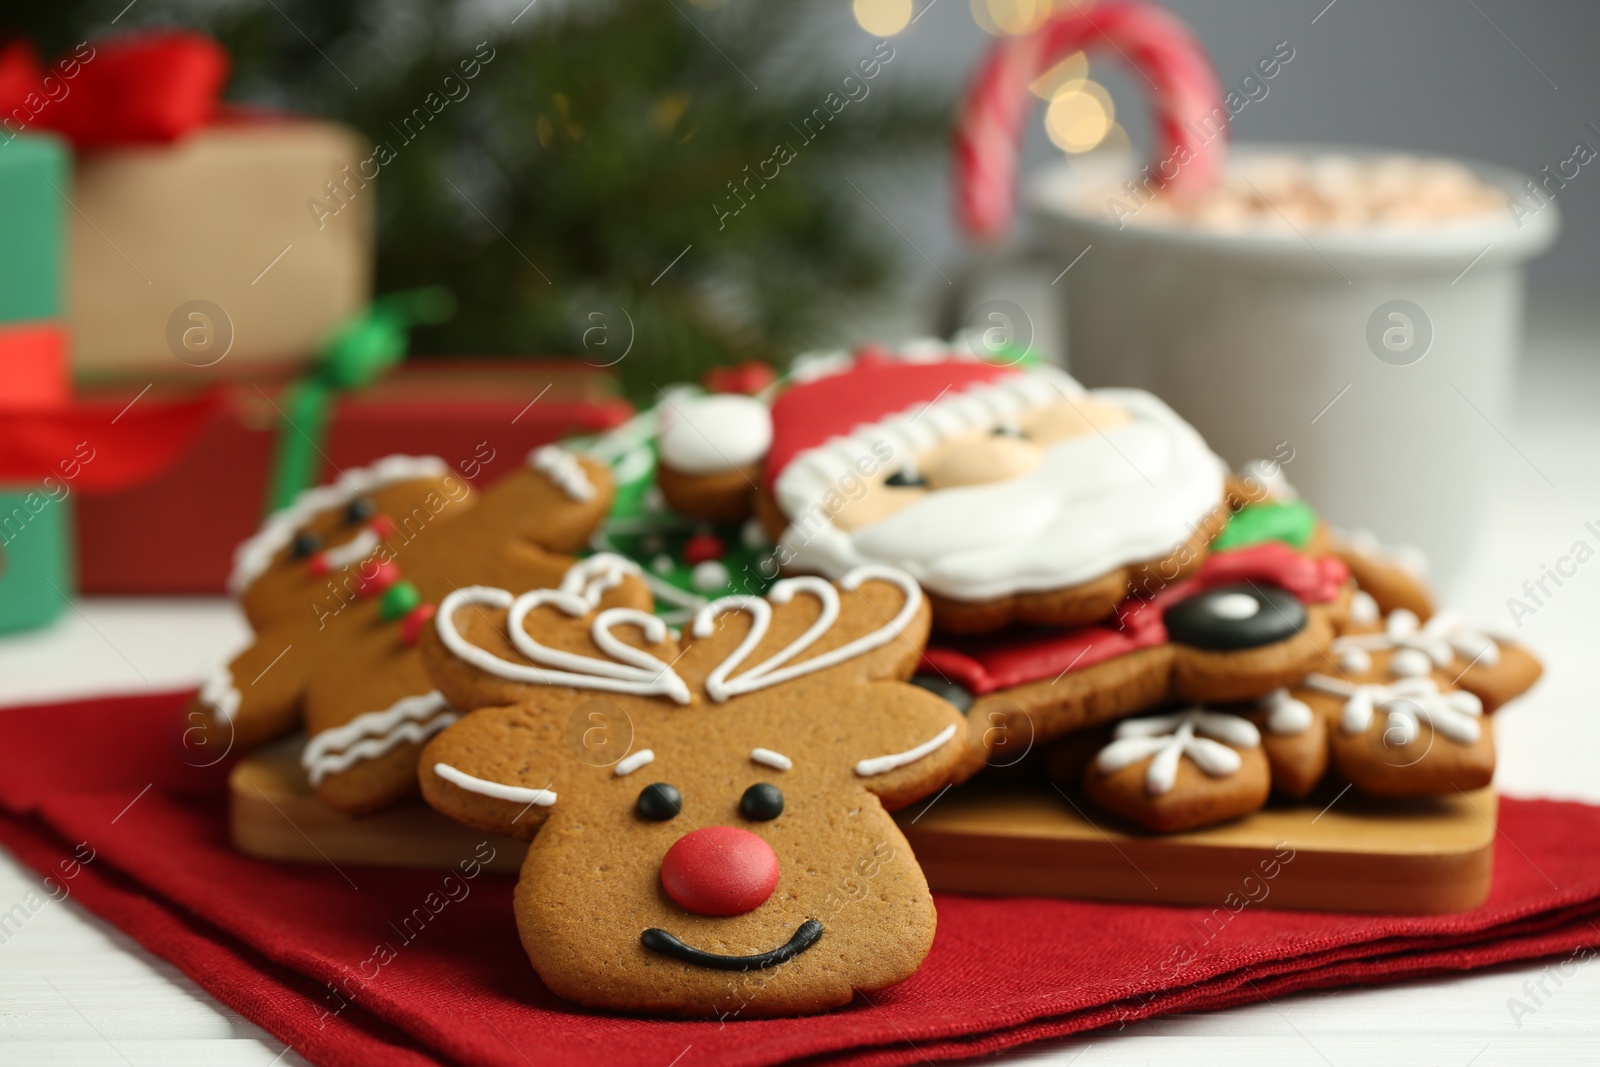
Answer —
339 586
726 851
1248 621
1181 770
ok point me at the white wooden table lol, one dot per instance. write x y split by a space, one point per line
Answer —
74 990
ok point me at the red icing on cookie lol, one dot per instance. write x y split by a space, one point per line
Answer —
747 378
984 664
702 548
809 413
719 871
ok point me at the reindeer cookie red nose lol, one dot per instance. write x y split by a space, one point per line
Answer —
720 870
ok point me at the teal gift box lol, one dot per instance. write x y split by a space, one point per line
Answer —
35 515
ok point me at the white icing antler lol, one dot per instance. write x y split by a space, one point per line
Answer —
1418 647
777 668
1171 737
1455 714
630 670
592 578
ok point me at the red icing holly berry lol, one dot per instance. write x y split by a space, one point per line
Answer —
382 576
411 626
702 548
719 871
748 378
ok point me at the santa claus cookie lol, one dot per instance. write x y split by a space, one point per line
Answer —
1010 493
708 814
339 585
1248 621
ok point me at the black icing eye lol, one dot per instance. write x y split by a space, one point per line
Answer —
304 544
1236 616
761 802
906 479
659 802
360 510
1009 431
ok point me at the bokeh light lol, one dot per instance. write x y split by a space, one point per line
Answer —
882 18
1079 117
1011 16
1074 68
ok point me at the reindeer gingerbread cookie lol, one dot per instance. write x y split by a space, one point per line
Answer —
339 586
732 854
1011 493
1399 710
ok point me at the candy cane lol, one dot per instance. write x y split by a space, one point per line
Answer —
1191 121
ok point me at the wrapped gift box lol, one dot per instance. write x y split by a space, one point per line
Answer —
176 534
221 216
260 223
35 516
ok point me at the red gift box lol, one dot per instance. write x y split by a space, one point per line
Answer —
177 533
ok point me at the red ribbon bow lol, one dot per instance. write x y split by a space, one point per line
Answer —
142 88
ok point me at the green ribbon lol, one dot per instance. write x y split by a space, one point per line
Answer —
356 354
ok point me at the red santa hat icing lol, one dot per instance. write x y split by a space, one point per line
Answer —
869 388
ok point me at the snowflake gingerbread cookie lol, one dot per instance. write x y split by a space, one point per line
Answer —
708 815
1399 711
339 586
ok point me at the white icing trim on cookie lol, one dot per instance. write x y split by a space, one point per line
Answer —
636 672
1418 647
768 758
219 693
563 468
777 668
1455 714
1182 479
370 734
515 793
1409 559
867 768
630 670
709 434
1286 716
592 578
633 761
1364 610
254 555
1168 738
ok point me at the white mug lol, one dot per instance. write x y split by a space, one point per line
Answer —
1374 364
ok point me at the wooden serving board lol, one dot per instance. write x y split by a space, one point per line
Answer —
1335 853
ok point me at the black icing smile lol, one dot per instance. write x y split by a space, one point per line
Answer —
659 941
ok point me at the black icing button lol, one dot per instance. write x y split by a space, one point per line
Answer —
1236 616
947 691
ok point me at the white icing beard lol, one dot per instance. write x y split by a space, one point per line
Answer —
1095 502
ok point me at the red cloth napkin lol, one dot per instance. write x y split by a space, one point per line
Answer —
296 948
